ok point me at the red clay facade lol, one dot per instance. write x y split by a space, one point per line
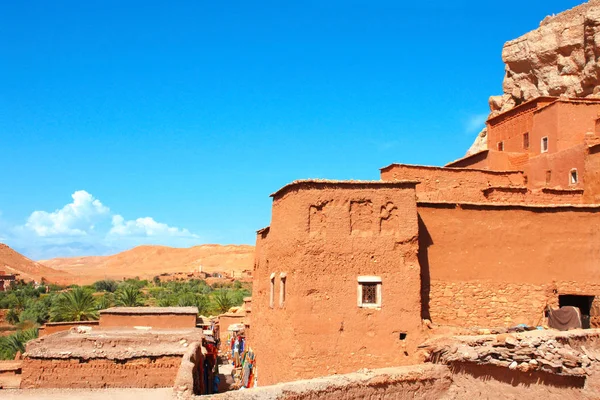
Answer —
347 271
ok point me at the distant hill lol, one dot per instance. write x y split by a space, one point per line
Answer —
148 261
29 270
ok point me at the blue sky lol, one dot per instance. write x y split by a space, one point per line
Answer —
126 123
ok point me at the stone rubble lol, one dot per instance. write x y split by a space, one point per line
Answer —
516 352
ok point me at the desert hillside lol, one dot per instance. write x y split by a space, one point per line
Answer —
149 261
16 263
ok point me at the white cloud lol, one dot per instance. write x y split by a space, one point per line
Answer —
145 227
475 123
74 219
87 227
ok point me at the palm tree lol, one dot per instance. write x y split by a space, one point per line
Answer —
223 301
129 296
75 305
10 345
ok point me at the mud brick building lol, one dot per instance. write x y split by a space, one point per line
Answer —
347 271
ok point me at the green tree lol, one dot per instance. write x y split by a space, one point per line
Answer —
106 285
10 345
105 301
76 305
223 301
129 296
12 316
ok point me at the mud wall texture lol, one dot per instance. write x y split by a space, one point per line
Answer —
167 321
500 265
53 327
418 381
451 184
188 379
323 236
143 372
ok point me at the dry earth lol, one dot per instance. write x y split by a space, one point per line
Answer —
15 263
148 261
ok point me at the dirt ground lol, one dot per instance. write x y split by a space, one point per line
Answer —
87 394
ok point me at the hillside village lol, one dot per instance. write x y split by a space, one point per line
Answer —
476 278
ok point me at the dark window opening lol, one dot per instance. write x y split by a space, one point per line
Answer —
573 177
526 140
369 293
544 144
500 146
584 303
402 335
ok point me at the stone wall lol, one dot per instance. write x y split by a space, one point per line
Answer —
500 265
142 372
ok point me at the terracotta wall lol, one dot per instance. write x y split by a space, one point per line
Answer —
323 236
499 265
53 327
145 372
592 175
560 165
510 127
166 321
451 184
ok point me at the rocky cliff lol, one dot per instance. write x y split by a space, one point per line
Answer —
560 58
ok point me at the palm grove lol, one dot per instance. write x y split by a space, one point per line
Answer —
27 306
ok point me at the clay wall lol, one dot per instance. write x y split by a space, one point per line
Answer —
143 372
451 184
53 327
323 236
189 377
500 265
166 321
427 382
592 175
559 164
510 127
538 196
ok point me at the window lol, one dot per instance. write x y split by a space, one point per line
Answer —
272 294
282 277
500 146
544 144
369 292
573 178
548 176
526 140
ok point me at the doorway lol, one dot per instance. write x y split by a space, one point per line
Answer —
584 303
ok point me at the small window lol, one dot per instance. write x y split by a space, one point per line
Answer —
544 144
500 146
282 277
548 176
573 178
272 292
369 291
526 140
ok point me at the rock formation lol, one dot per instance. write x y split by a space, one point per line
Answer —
560 58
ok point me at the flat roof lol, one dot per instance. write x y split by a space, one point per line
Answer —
114 344
342 183
532 207
457 169
149 310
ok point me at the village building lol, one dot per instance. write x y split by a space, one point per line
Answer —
129 347
349 273
6 280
